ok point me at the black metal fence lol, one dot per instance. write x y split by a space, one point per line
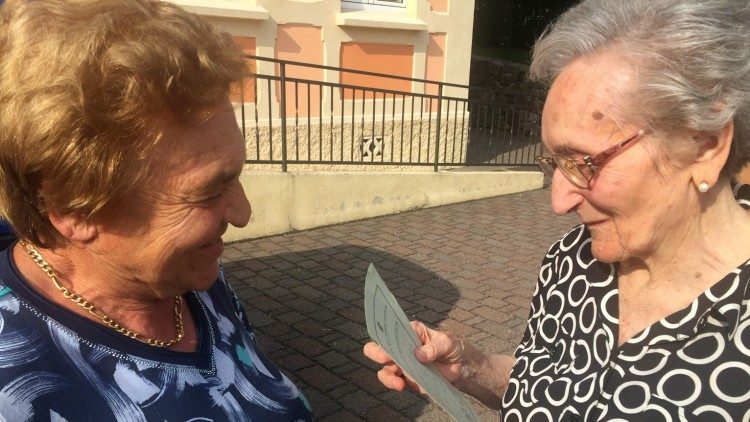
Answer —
293 114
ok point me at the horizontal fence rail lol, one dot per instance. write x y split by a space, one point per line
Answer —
296 114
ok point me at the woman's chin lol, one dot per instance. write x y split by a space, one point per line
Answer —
204 278
605 253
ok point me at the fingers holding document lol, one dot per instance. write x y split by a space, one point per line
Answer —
484 376
441 349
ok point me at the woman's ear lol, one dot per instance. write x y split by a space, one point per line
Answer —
73 226
712 154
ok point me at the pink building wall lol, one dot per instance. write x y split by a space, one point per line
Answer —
440 6
301 43
434 65
248 46
392 59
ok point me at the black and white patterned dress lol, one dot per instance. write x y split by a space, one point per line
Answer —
693 365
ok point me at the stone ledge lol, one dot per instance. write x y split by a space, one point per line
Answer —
284 202
368 19
223 9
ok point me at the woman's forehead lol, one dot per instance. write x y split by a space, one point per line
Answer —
583 102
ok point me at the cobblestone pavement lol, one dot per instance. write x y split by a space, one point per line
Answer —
468 267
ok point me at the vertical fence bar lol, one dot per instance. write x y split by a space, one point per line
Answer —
242 108
341 152
411 131
309 125
296 122
507 134
447 124
464 109
354 108
255 114
393 120
437 134
270 120
330 128
493 139
514 137
382 131
421 125
403 123
484 134
429 129
527 147
372 129
282 103
361 129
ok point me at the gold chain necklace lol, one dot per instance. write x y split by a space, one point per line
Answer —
93 310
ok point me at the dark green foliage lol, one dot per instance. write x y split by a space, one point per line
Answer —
514 24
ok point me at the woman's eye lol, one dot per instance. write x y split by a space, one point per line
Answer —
212 198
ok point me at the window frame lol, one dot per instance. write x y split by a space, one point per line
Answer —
374 5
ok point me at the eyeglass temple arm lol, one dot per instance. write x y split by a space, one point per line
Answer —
593 162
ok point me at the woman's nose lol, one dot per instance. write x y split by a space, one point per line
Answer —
238 208
565 195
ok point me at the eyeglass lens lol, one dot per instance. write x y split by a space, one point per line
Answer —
571 171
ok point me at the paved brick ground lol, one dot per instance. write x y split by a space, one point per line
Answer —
467 267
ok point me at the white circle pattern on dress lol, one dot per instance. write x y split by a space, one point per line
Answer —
569 366
697 386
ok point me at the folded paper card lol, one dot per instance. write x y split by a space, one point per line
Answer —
388 326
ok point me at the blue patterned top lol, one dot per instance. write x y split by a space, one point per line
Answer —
57 366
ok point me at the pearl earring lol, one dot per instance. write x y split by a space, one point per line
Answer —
703 187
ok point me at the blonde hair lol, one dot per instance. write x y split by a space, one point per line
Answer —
84 85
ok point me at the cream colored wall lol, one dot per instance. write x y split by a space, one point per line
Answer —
421 26
259 19
283 202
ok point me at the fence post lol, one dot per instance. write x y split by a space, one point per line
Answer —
282 105
242 110
437 135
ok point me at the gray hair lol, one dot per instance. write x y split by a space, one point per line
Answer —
692 59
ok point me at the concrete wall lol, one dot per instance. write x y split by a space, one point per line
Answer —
285 202
397 141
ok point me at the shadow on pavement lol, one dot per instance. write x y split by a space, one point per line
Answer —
308 313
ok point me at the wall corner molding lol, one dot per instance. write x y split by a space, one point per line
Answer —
368 19
232 9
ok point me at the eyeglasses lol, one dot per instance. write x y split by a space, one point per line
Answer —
581 171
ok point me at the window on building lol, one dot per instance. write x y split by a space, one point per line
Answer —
373 4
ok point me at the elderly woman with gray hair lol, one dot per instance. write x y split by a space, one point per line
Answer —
643 311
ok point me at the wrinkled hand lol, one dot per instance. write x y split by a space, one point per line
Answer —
441 348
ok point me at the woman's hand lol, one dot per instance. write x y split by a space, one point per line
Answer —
480 375
441 349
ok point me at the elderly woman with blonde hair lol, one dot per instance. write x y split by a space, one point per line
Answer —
643 311
120 159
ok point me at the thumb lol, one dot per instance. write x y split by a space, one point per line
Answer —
427 353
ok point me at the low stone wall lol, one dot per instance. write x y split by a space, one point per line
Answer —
283 202
394 141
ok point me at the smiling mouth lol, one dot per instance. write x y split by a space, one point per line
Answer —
217 239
